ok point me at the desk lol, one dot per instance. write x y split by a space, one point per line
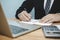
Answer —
35 35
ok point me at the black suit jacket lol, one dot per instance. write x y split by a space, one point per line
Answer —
38 5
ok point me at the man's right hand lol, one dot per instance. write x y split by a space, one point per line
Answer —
24 16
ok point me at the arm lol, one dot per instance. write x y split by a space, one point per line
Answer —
28 5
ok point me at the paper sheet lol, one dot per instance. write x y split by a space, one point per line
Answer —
32 21
35 22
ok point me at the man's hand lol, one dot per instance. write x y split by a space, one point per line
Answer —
50 18
24 16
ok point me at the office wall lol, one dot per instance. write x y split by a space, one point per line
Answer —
10 7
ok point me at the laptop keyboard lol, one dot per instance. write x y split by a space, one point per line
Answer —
16 30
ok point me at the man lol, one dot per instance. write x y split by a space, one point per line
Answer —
42 10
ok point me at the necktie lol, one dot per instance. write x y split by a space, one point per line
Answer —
47 6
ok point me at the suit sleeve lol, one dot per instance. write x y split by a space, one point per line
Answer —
28 5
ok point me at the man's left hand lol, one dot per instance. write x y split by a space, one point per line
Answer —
50 18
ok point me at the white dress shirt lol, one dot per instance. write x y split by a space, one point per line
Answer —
45 1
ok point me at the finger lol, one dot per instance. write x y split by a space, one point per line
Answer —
54 21
27 15
25 18
22 17
50 21
46 19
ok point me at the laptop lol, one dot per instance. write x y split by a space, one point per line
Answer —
12 30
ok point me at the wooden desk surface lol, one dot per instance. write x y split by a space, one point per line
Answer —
35 35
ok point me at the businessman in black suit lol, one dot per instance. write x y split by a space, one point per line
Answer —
50 15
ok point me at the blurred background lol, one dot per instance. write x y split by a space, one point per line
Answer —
10 7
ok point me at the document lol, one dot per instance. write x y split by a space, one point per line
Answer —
35 22
32 22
